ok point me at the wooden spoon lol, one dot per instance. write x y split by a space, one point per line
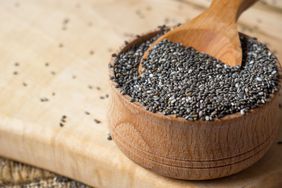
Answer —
213 32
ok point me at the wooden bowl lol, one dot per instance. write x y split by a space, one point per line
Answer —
190 150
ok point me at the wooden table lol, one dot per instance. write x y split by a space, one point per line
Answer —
53 59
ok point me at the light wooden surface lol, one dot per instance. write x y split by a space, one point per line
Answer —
64 33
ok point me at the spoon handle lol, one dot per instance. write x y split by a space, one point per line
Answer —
230 10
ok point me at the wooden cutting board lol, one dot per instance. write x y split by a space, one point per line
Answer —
54 89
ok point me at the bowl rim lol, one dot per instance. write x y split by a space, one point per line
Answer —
158 115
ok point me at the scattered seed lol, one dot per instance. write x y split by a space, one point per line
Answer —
102 97
109 137
148 8
73 76
97 121
91 52
24 84
140 14
98 88
166 21
44 99
61 45
90 87
15 73
53 72
63 120
16 64
90 24
17 4
107 95
66 21
87 113
62 125
46 64
53 93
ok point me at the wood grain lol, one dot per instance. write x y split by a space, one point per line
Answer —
33 33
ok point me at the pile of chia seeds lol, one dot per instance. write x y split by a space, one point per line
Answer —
181 81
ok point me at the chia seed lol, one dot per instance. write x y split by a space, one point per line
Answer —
63 121
109 137
66 21
184 82
97 121
44 99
